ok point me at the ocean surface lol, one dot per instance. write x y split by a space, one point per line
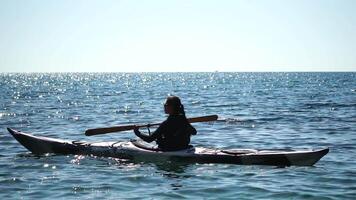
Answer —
258 110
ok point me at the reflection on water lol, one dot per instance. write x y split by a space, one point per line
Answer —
173 169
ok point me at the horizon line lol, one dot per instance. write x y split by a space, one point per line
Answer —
217 71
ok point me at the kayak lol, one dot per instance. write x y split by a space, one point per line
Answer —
138 150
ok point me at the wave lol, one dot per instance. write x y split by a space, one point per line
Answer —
329 104
235 120
222 105
255 120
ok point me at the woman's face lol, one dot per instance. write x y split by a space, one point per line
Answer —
168 109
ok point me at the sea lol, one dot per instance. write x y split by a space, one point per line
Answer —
276 110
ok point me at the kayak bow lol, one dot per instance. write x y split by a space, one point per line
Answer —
137 150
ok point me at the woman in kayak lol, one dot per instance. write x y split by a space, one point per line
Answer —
174 133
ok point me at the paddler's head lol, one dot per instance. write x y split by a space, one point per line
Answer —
173 106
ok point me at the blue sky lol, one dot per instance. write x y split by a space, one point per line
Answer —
161 35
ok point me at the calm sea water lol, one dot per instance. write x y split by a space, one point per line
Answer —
261 110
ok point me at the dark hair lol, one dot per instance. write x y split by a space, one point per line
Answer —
175 102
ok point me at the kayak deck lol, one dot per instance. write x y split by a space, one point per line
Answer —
134 150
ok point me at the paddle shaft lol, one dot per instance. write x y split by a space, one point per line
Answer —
98 131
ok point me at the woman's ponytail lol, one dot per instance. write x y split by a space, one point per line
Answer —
182 110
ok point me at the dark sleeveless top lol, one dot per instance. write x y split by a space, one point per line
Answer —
173 134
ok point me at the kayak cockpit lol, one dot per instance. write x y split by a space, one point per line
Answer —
140 144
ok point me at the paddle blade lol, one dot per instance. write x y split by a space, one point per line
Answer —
98 131
203 119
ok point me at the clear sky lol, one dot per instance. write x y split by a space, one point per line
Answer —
183 35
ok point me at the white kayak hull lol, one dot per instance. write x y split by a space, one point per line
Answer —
133 150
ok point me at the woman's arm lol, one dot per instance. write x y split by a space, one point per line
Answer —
153 136
191 130
146 138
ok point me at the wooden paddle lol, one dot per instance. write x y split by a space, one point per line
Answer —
98 131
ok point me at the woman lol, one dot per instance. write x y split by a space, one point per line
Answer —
174 133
